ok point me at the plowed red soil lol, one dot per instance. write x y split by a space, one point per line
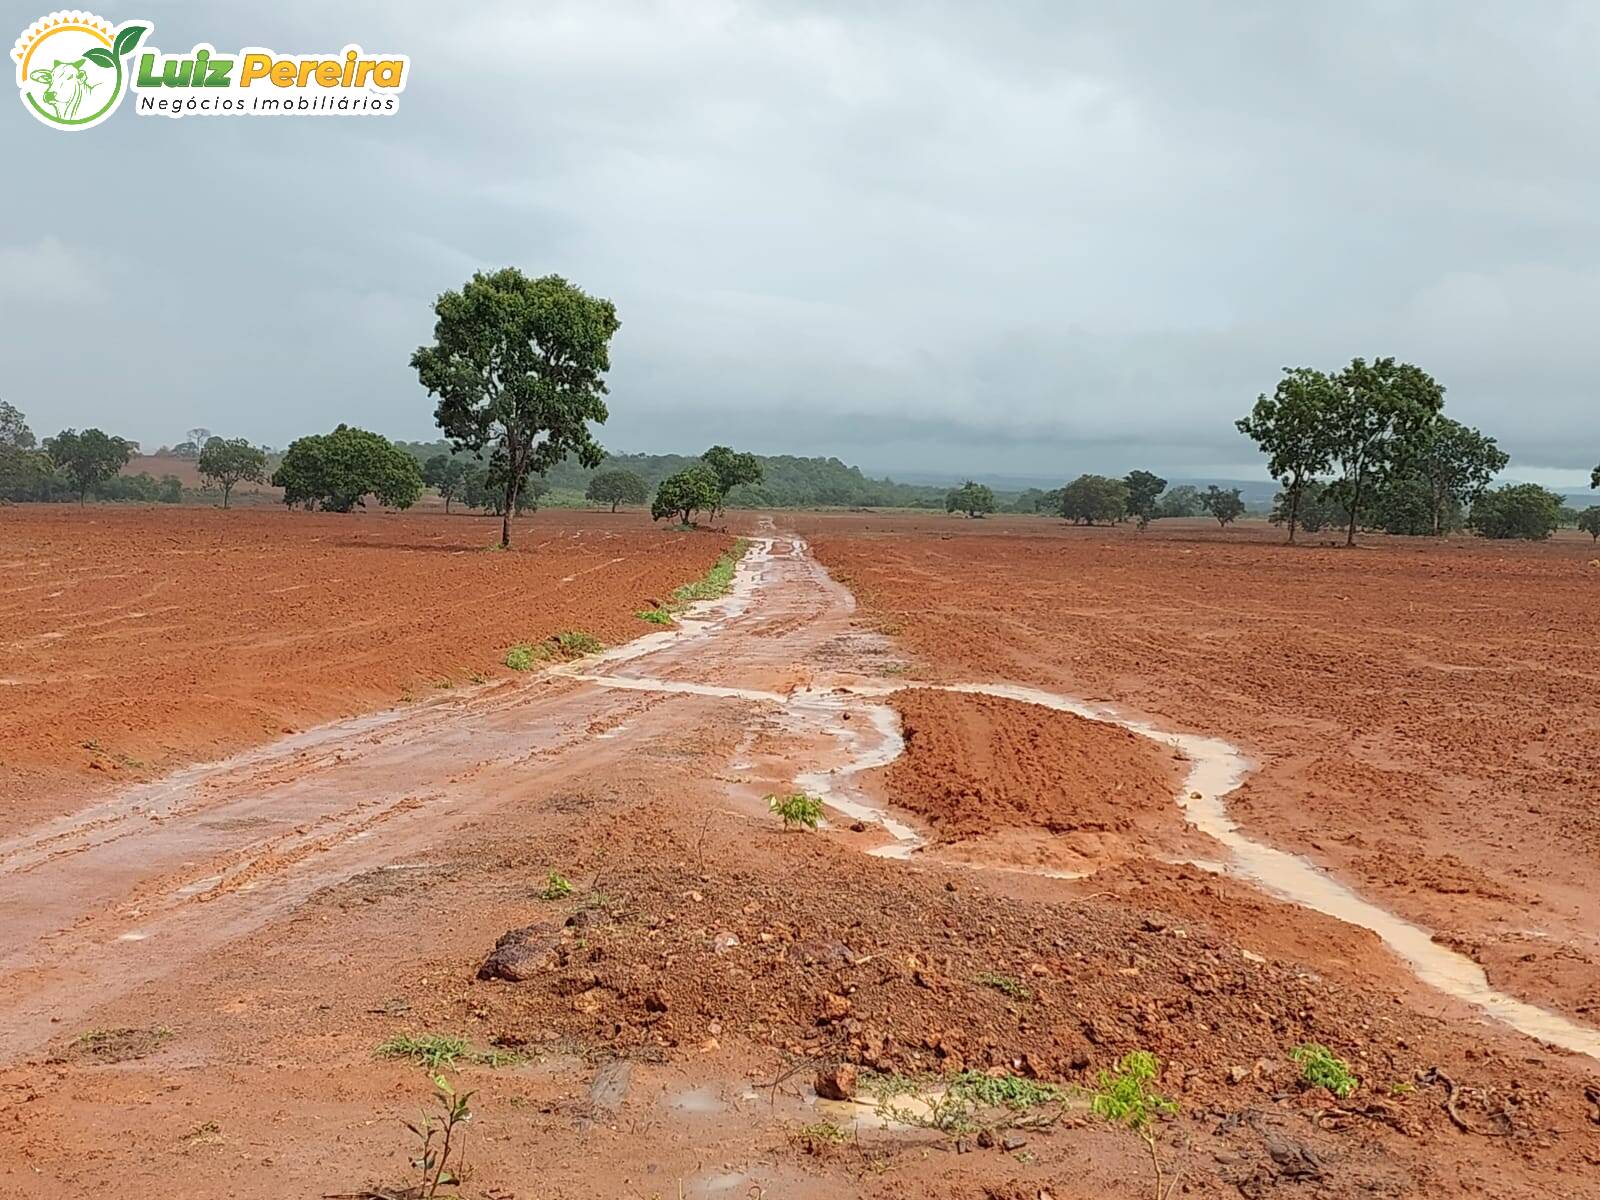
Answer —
988 772
1425 717
134 639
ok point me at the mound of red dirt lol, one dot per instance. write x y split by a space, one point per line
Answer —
973 764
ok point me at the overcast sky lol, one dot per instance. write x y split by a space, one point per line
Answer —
1018 238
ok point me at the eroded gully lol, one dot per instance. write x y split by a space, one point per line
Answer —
140 886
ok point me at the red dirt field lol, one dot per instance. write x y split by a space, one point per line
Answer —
139 639
203 969
1425 717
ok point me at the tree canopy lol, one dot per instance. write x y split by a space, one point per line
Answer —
447 476
519 364
336 471
974 499
227 461
1522 510
691 490
1292 428
1589 521
1144 489
1225 505
732 469
89 458
617 487
1091 498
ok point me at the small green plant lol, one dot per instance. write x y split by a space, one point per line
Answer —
438 1134
1006 985
522 656
556 887
1125 1098
655 616
958 1103
797 808
816 1138
1015 1092
1321 1067
436 1051
575 643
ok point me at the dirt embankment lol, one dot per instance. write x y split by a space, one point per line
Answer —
137 639
1424 716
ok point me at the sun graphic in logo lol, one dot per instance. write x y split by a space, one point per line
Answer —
70 67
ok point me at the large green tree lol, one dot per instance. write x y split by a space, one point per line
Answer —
336 471
1374 411
1292 428
1091 498
229 461
1447 466
617 487
1144 489
974 499
732 469
89 458
519 364
1522 510
24 470
691 490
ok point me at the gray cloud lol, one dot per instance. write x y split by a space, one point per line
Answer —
1023 238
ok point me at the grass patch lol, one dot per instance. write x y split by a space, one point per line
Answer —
817 1138
117 1045
959 1103
797 808
1321 1067
435 1052
575 643
1006 985
655 616
714 582
523 656
556 887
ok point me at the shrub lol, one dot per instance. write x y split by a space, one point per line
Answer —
575 643
521 657
1522 510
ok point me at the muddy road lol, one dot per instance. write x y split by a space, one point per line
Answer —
267 919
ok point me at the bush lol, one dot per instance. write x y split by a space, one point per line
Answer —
1522 510
1589 521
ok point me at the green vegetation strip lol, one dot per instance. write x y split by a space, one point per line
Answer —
716 582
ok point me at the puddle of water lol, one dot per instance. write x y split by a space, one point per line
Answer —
699 1101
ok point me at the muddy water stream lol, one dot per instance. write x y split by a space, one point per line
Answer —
869 736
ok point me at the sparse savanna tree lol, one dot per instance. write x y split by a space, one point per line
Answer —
1225 504
617 487
194 442
336 471
1589 521
1373 411
691 490
974 499
519 364
1292 428
1317 508
731 469
1091 498
1594 478
1144 489
229 461
1522 510
89 458
447 476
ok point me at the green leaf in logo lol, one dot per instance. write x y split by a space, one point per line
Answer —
127 39
100 57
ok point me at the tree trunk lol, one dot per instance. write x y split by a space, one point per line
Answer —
447 506
1355 512
1294 509
614 506
226 489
